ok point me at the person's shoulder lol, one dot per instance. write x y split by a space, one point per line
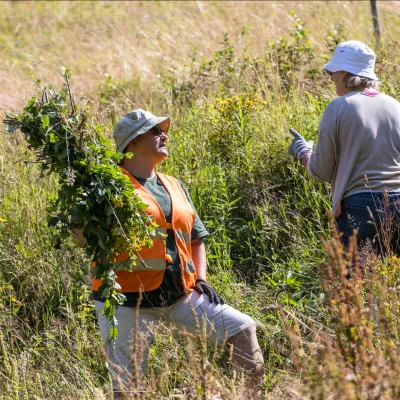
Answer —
346 99
166 175
351 101
179 182
360 97
340 107
341 100
170 178
389 99
380 100
334 105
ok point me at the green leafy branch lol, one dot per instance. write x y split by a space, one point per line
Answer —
94 196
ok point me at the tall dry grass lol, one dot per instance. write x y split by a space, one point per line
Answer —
354 353
140 40
231 99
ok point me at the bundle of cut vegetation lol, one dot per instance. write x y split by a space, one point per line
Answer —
94 196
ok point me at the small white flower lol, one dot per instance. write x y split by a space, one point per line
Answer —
70 176
350 376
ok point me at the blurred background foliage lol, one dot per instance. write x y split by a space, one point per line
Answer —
234 76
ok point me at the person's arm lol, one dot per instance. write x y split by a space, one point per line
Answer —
77 235
200 264
305 160
199 258
321 163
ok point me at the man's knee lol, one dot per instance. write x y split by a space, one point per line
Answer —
247 352
245 336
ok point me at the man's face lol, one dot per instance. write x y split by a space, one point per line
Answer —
152 144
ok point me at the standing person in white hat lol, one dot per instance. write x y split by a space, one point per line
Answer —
172 285
358 149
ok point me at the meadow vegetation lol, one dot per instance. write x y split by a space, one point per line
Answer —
233 76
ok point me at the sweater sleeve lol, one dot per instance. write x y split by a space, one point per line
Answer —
323 159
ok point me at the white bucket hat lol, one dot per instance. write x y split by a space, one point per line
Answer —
354 57
136 123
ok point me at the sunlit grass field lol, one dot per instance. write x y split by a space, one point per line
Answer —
140 40
233 76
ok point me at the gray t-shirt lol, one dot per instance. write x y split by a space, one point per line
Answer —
358 148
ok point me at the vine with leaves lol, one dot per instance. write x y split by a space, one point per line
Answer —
94 196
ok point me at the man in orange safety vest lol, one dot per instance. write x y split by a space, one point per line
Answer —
171 284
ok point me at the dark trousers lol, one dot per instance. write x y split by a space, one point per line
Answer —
376 216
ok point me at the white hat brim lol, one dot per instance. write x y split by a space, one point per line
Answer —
334 67
151 123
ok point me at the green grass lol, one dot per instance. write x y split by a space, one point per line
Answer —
231 103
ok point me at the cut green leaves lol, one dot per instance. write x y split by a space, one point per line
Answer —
94 196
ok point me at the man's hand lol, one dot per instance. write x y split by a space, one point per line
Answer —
203 287
299 147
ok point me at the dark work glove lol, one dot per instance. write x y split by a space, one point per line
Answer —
299 147
203 287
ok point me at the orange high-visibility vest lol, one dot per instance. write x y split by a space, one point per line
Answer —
149 276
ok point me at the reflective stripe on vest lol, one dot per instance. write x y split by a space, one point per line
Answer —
148 276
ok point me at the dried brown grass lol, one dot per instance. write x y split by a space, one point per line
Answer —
355 355
144 39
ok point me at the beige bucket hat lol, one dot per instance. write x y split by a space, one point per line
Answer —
136 123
